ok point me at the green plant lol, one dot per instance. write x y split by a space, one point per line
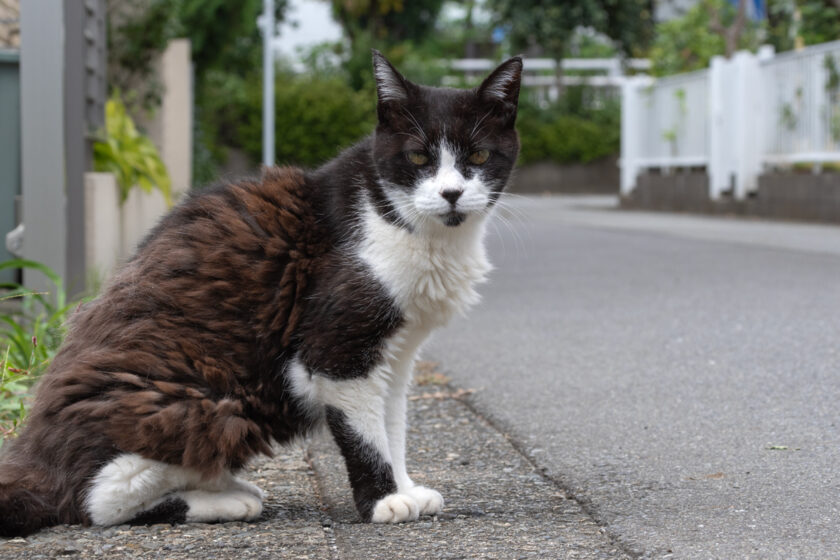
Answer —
670 135
129 155
315 116
688 43
31 331
15 386
570 130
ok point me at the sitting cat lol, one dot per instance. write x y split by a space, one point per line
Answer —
257 310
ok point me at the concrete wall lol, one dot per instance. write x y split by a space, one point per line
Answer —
600 176
113 231
780 195
171 128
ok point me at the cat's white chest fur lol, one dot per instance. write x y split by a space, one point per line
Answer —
431 275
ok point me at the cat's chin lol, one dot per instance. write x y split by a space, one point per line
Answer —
453 218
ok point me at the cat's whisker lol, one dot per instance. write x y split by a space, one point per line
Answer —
499 221
419 128
513 212
475 129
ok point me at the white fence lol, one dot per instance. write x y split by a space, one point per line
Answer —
541 73
735 119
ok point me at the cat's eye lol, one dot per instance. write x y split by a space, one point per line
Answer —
417 158
479 157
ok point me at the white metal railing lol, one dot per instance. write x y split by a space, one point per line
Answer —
737 118
802 97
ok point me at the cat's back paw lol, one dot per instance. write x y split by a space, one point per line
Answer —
395 508
429 501
232 505
245 486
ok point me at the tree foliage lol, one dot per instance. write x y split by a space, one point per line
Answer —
387 21
688 43
222 34
550 25
797 23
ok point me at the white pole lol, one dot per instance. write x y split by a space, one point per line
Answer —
268 82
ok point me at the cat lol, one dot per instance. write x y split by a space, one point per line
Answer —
258 310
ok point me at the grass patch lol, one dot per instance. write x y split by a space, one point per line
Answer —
31 331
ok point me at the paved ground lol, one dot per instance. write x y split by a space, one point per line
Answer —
679 375
648 385
499 506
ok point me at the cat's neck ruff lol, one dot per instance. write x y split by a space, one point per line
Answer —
431 273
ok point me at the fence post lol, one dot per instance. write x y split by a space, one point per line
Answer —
719 176
747 112
42 138
631 129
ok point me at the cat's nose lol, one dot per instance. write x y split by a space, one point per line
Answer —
451 195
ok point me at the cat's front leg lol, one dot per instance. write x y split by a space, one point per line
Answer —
429 501
355 412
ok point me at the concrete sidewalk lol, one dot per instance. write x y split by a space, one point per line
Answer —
497 506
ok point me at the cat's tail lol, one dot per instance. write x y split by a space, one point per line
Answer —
25 502
23 512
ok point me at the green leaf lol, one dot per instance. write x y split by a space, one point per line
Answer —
130 156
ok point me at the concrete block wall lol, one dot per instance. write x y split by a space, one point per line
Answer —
779 195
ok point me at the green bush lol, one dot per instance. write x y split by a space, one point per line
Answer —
31 331
566 131
315 117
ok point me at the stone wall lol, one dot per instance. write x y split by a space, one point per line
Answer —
600 176
780 195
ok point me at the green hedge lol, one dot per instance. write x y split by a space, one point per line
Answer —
566 132
315 117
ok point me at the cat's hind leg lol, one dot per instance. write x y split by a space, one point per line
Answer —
131 488
130 485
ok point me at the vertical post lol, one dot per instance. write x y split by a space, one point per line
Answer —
718 169
175 118
42 137
268 82
76 152
747 113
631 130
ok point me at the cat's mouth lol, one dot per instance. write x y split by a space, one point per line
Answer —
453 218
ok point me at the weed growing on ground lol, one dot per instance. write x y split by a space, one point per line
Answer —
31 330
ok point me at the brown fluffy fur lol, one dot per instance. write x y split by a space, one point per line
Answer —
175 352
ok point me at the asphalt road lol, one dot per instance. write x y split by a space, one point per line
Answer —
680 376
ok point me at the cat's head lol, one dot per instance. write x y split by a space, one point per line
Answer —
444 155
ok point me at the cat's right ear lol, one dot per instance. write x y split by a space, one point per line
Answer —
391 87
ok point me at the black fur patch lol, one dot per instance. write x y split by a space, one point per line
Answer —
172 510
370 476
23 512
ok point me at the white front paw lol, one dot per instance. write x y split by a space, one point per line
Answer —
395 508
429 501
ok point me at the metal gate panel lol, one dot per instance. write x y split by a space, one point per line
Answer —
9 151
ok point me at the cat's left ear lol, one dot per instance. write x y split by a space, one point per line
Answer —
503 84
390 84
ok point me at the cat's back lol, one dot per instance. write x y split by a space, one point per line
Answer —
207 305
